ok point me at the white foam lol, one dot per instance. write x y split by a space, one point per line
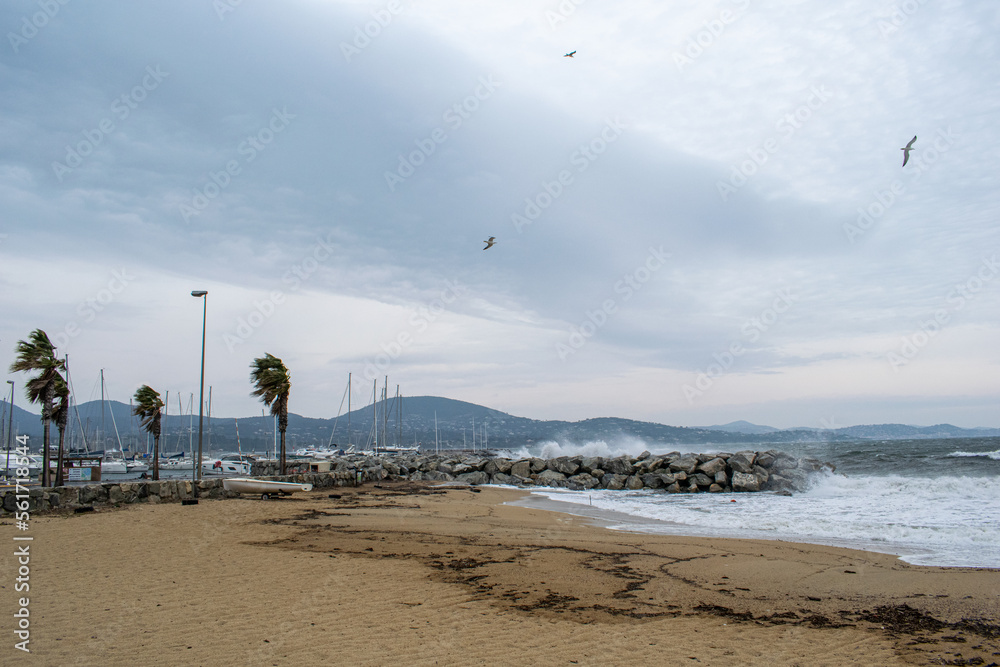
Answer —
951 521
995 455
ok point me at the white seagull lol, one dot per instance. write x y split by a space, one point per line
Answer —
490 243
907 149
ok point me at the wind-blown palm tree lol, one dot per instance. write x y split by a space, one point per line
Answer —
39 354
149 408
60 415
272 383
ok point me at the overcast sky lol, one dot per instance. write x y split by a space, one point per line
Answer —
702 216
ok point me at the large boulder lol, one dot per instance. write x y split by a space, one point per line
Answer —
538 465
613 481
743 481
563 465
475 477
652 480
438 476
582 481
701 479
741 463
633 483
502 478
619 466
521 468
687 464
591 463
766 459
713 466
550 478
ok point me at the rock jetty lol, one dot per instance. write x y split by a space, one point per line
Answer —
744 471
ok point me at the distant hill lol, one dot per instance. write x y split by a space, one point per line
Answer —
742 427
455 424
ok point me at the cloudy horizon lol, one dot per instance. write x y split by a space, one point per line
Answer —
700 217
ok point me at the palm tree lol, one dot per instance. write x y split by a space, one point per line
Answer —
272 383
39 354
148 407
60 415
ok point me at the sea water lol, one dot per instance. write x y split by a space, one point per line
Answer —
931 502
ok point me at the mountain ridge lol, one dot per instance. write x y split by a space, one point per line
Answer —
454 429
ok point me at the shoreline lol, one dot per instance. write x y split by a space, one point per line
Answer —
622 521
417 574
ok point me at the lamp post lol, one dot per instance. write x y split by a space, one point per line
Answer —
201 392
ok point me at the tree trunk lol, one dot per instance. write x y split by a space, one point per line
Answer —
59 464
46 477
282 451
156 457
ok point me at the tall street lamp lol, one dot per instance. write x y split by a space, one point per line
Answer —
196 473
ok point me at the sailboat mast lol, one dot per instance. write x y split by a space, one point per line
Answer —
166 409
348 409
101 440
375 414
399 418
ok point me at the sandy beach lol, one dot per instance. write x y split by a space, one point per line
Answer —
412 574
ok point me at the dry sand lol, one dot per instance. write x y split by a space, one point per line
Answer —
415 575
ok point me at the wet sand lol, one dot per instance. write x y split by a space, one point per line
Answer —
412 574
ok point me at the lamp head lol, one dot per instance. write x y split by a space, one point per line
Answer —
199 292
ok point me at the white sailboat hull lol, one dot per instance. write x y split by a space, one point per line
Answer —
264 487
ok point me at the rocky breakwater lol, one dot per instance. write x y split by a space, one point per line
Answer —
672 473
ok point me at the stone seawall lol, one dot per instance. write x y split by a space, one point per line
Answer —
673 473
164 491
745 471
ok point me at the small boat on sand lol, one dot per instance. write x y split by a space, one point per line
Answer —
265 488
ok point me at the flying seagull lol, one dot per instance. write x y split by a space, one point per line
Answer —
569 55
907 149
490 243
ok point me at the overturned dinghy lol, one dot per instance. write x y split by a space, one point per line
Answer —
265 488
